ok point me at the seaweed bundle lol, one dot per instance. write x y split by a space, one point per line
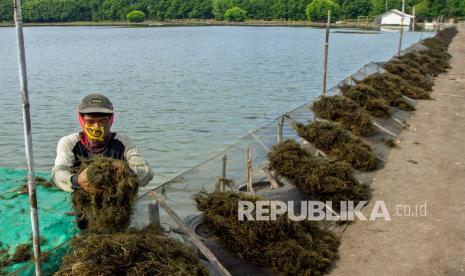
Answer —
319 178
405 87
368 98
346 112
22 253
410 74
388 90
447 35
286 246
331 138
134 252
427 64
109 248
109 210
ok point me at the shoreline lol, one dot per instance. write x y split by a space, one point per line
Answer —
197 22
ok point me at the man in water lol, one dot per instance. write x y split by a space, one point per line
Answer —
95 139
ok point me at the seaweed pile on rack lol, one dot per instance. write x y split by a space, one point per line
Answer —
410 74
368 98
335 141
133 252
109 247
404 87
388 90
346 112
319 178
285 246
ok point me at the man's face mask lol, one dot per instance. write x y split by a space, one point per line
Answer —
95 133
96 130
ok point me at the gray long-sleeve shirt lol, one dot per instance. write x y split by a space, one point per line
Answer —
70 148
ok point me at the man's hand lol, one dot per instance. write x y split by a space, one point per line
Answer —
82 180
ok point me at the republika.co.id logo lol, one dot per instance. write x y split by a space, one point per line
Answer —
266 210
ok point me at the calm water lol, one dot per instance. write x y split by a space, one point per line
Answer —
183 94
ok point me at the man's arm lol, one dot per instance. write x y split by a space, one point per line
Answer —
61 175
135 161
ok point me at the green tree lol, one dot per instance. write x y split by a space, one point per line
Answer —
317 10
355 8
235 14
52 11
379 6
135 17
6 10
220 7
260 9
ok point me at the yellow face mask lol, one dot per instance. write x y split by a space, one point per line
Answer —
95 134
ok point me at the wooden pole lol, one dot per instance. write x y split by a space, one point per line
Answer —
269 176
27 135
223 172
250 171
280 129
325 63
413 25
192 236
401 28
154 214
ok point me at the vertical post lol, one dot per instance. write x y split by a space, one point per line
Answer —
280 129
223 172
386 5
249 171
366 22
413 25
27 134
325 63
154 214
401 28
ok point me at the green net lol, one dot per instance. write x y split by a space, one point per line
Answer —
56 221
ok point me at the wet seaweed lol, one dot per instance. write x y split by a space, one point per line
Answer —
23 252
405 88
109 210
389 142
109 247
332 139
388 90
133 252
286 246
410 74
4 258
346 112
318 178
368 98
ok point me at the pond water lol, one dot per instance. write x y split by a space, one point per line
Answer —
182 93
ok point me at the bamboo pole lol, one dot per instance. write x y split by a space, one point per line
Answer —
280 129
401 28
250 171
192 236
27 135
154 214
413 25
223 172
325 63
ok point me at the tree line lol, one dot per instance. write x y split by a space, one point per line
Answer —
315 10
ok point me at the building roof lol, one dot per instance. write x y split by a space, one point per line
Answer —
396 12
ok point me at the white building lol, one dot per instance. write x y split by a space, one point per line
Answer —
394 18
